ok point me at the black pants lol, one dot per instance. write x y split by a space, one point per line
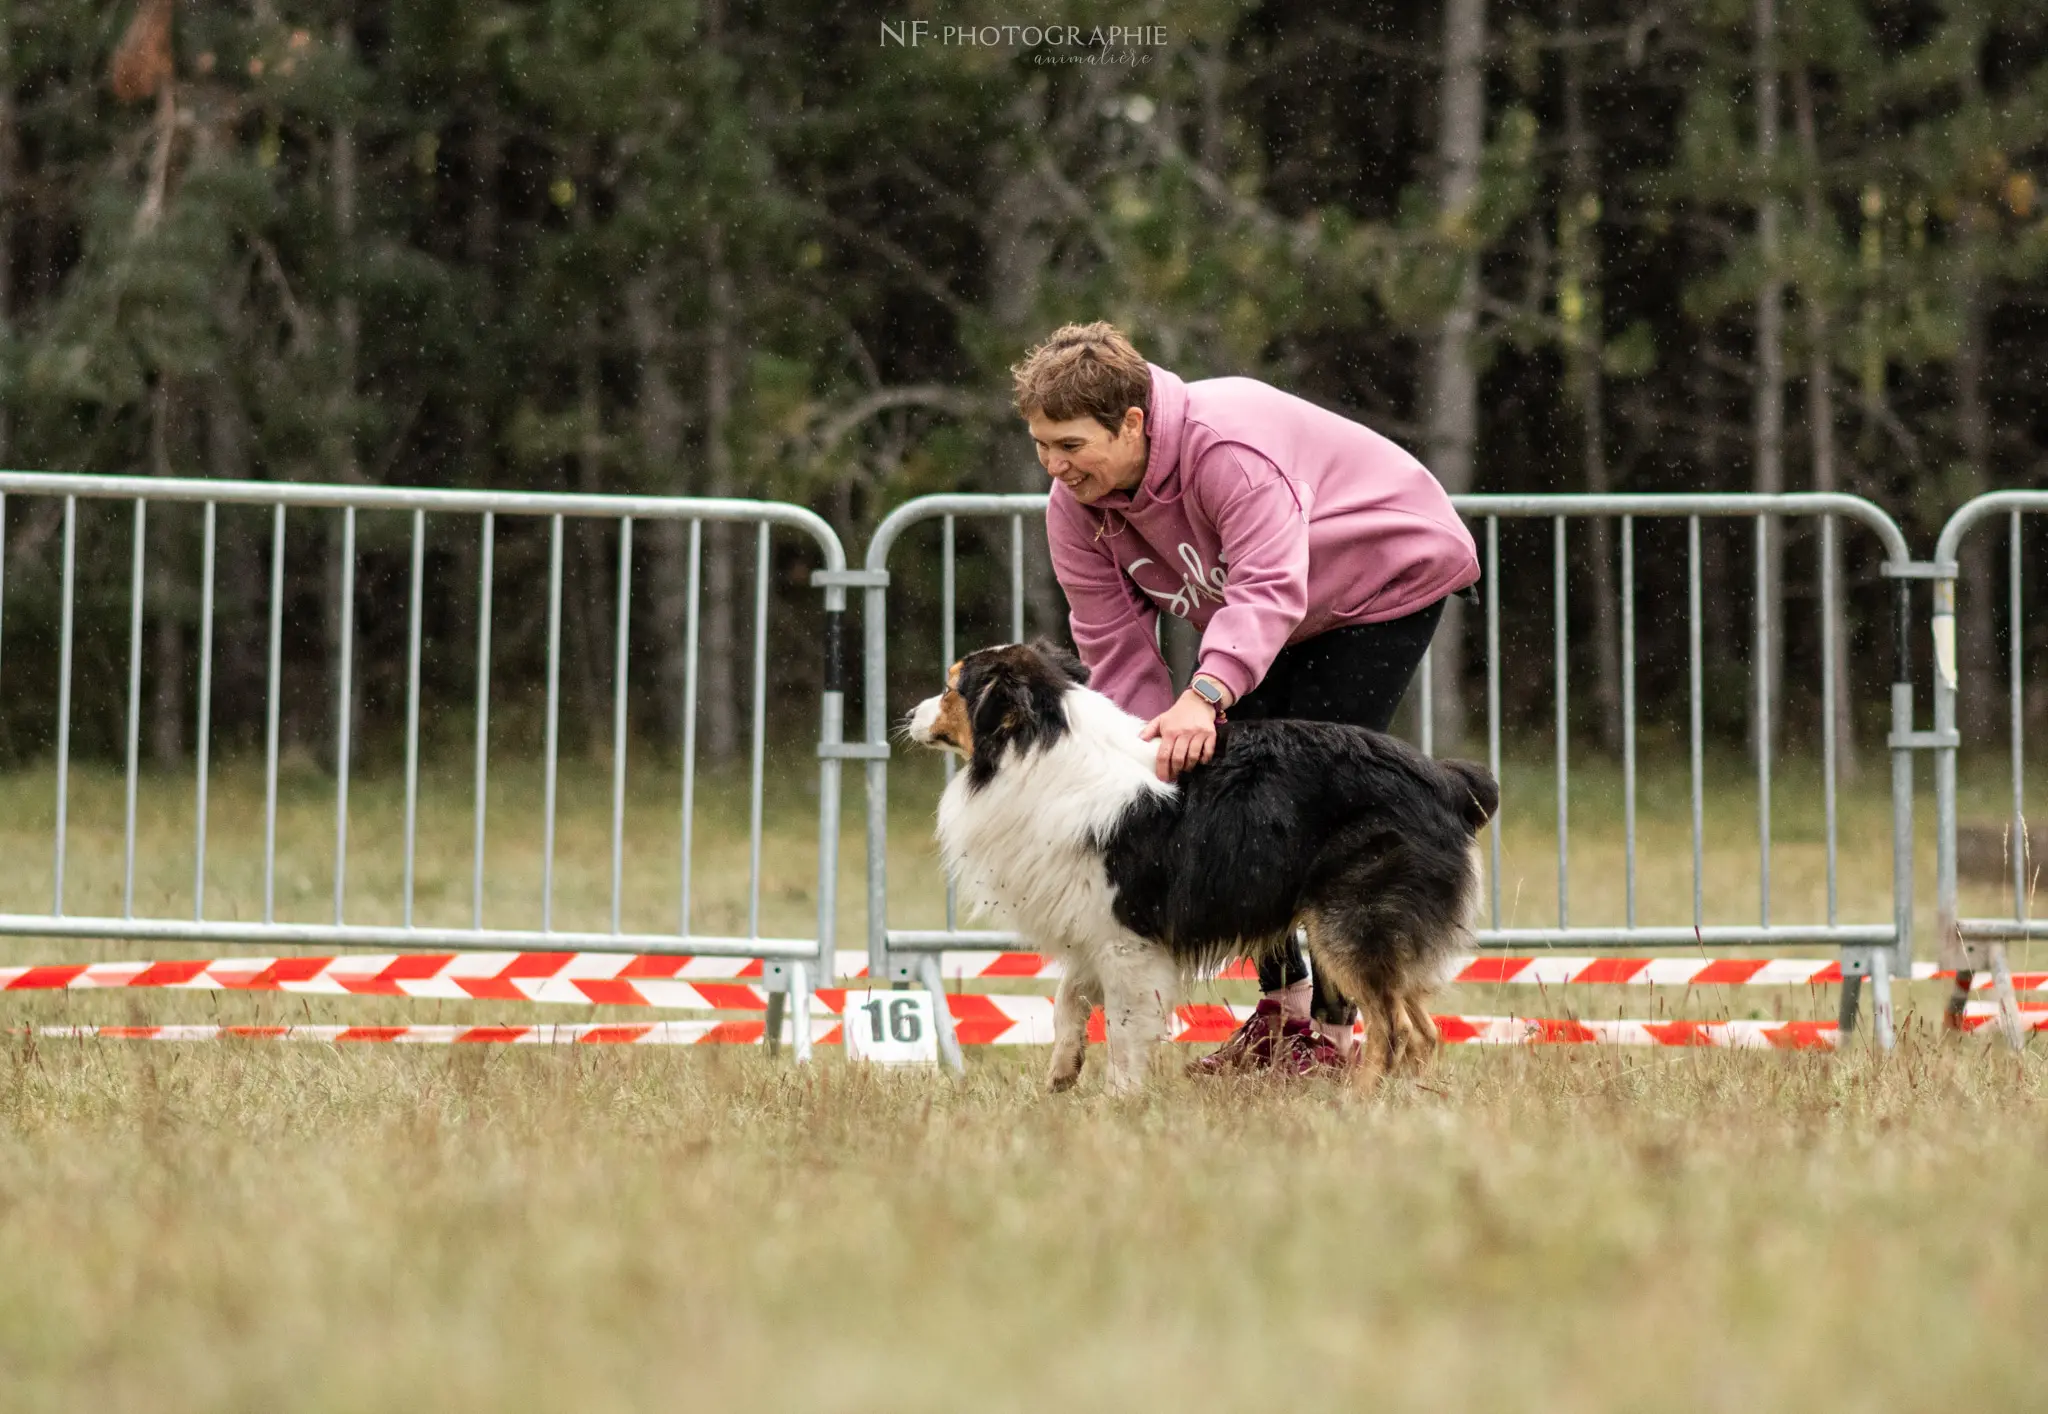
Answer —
1356 675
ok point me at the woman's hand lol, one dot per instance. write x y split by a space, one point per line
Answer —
1186 733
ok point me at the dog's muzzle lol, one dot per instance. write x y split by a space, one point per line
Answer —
922 719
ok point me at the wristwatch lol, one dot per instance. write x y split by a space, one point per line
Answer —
1209 692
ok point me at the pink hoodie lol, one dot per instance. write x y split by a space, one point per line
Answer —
1262 519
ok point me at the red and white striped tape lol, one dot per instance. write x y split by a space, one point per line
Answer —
1652 971
1550 969
609 979
653 1033
1027 1027
724 984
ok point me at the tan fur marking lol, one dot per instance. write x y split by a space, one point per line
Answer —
1400 1036
1427 1039
952 725
1376 1049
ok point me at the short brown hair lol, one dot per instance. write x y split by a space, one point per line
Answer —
1084 370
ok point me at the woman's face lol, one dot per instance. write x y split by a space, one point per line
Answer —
1087 458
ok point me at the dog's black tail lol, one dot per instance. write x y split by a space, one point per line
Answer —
1472 791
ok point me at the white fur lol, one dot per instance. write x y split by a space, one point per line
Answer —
922 718
1021 847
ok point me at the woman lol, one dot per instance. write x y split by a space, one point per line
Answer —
1313 555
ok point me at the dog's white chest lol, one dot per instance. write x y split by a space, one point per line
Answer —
1028 856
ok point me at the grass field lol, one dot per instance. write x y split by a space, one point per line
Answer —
262 1226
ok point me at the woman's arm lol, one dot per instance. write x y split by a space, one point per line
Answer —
1263 528
1263 531
1115 628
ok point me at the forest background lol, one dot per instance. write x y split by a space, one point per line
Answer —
704 247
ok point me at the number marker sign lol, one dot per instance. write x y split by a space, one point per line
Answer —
891 1028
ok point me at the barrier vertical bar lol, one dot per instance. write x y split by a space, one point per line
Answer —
625 614
135 599
412 704
800 998
1628 710
1762 680
3 560
1493 696
209 537
1900 960
1425 709
1692 608
1828 705
2016 639
486 573
1017 579
1881 1021
1942 625
272 691
875 776
947 593
2009 1023
344 713
693 575
547 848
64 695
754 782
1559 652
831 777
1945 898
1882 960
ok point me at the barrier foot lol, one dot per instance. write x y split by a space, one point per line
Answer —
777 1002
949 1039
1881 999
800 1004
2008 1004
1852 995
1958 1000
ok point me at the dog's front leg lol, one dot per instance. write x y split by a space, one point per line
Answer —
1078 995
1138 985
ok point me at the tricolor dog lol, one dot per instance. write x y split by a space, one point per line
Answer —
1060 825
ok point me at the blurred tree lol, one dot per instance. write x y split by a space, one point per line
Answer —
1452 397
1823 261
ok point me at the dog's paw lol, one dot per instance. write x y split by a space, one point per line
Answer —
1064 1075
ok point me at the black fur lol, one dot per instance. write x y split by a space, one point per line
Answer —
1305 818
1013 698
1062 658
1482 792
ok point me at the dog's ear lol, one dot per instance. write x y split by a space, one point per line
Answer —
1062 658
999 709
1014 699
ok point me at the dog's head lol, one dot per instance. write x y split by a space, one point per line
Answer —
996 699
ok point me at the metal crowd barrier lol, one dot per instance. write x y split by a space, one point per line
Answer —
792 966
1977 942
1879 951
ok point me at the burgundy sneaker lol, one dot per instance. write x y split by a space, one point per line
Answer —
1304 1051
1251 1046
